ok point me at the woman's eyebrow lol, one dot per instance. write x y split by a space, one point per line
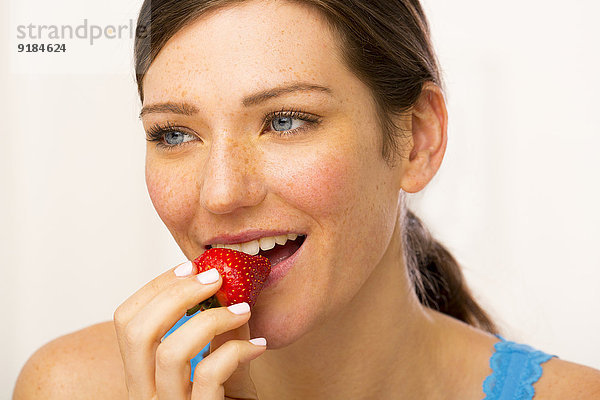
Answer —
170 107
264 95
184 108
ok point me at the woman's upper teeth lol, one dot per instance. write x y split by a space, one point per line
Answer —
254 246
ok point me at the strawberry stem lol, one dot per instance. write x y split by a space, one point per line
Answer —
211 302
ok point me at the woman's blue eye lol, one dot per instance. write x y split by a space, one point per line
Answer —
173 138
283 123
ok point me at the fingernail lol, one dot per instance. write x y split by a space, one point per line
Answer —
240 308
184 269
210 276
261 341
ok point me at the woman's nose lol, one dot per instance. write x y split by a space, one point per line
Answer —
232 177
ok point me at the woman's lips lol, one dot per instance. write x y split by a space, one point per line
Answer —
280 269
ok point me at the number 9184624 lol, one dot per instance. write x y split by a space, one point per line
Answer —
41 48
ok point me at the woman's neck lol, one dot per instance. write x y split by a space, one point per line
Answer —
384 344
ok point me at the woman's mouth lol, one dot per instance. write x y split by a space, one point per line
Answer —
275 248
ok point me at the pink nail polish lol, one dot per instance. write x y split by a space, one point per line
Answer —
208 277
240 308
261 341
184 269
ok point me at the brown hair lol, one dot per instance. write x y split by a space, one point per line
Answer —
386 43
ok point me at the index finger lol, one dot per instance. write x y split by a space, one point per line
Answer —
134 303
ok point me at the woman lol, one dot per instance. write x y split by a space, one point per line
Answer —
310 118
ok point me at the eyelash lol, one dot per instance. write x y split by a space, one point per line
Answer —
309 119
156 132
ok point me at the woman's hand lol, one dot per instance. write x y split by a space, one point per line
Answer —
156 369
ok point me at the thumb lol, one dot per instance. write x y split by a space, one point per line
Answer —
240 384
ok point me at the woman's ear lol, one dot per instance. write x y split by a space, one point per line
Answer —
427 145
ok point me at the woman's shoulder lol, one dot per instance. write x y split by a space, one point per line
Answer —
75 365
563 379
560 379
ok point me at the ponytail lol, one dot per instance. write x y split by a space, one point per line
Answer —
437 277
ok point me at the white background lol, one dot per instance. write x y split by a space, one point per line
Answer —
516 199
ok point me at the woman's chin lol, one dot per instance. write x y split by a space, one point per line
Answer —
279 330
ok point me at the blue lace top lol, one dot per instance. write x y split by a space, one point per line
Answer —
516 367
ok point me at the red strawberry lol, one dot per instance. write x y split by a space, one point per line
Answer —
243 277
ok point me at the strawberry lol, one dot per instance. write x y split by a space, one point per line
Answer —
243 277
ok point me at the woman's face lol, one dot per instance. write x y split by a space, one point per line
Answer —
232 173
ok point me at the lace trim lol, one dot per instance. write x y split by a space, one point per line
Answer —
516 367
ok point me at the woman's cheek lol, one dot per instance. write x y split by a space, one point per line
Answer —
173 193
321 185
